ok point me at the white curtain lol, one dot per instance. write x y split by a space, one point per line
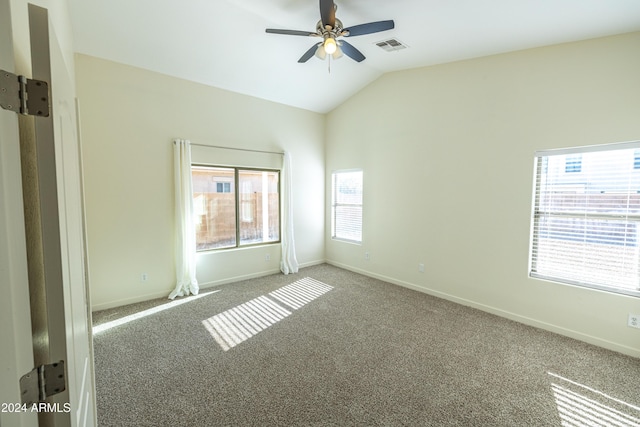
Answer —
289 263
186 282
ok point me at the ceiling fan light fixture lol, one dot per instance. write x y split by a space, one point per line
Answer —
330 45
337 54
321 53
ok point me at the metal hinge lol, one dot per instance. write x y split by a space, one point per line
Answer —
42 382
23 95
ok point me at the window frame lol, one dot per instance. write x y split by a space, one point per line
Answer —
334 204
540 169
238 201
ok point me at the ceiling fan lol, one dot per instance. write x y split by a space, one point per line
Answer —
329 28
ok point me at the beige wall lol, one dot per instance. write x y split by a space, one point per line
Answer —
447 153
129 118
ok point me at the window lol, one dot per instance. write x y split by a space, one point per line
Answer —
585 228
223 187
226 218
346 205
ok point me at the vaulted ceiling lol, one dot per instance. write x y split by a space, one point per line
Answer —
223 43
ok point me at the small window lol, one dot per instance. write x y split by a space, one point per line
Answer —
346 206
223 187
226 218
585 230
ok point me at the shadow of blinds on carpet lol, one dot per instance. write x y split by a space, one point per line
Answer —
579 404
244 321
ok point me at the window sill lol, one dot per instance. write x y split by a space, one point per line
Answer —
237 248
352 242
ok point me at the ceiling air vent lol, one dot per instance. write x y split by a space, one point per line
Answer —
391 45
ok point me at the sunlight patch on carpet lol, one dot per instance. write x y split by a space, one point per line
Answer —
127 319
301 292
242 322
581 405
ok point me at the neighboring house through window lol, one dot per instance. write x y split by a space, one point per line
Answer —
585 227
226 218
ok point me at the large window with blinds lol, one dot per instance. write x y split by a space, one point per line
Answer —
586 217
235 207
346 205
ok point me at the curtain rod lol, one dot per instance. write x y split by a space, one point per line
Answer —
237 149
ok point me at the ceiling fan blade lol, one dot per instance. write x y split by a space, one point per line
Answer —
308 54
351 51
328 13
290 32
371 27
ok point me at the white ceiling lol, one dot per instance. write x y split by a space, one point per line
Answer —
223 43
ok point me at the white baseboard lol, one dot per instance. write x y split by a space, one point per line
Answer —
238 278
630 351
147 297
252 275
312 263
127 301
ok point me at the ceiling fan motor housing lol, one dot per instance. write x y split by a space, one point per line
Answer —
326 32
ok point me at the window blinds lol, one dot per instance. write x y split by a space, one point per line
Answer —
347 205
586 214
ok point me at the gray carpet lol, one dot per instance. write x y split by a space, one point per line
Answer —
349 351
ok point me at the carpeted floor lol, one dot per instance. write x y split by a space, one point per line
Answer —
328 347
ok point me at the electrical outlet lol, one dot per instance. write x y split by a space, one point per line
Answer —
267 257
634 320
421 267
144 277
